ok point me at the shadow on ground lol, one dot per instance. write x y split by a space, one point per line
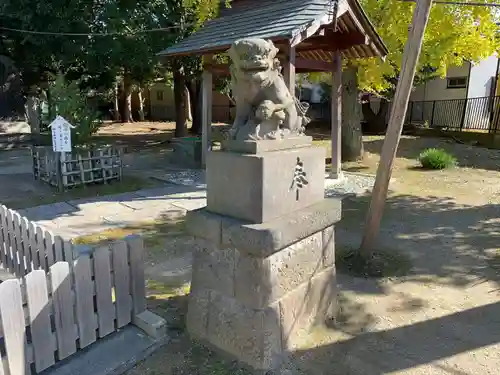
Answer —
407 347
352 348
448 243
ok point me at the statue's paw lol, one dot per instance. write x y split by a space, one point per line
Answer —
254 137
271 135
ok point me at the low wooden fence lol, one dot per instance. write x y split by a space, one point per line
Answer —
63 298
81 167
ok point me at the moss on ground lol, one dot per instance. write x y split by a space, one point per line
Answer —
154 233
379 264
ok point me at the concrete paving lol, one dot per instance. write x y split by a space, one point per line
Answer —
113 355
86 216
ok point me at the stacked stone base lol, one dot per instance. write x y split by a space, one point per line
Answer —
258 289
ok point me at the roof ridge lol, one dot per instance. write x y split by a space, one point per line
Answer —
303 4
277 20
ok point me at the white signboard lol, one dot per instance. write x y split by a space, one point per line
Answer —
61 135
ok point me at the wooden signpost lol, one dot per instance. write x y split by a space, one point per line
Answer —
395 126
61 143
61 135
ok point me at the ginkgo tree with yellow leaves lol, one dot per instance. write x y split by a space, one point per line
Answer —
455 34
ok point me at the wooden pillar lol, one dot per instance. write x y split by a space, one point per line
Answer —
411 54
206 115
289 69
336 116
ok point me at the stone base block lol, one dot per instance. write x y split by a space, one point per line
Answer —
262 338
152 324
266 145
262 240
257 289
259 282
261 187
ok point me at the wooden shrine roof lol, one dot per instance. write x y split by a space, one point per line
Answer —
287 20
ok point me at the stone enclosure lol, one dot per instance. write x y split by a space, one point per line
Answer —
187 151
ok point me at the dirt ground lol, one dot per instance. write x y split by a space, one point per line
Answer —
138 136
439 319
145 127
475 181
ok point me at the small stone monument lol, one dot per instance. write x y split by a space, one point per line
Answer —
264 272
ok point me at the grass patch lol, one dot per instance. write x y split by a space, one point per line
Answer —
161 291
126 185
154 233
382 263
436 158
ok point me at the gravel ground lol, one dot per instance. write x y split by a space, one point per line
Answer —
351 184
191 177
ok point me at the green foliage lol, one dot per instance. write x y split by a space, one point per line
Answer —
68 101
436 158
454 34
127 49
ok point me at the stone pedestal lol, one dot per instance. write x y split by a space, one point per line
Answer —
264 272
187 151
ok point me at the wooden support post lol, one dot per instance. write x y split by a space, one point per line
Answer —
206 115
289 70
396 121
336 116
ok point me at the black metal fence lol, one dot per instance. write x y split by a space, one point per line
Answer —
481 114
457 114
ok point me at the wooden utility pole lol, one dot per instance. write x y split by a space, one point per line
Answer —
336 117
396 120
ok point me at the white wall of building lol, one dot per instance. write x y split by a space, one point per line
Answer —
481 75
448 110
481 80
437 89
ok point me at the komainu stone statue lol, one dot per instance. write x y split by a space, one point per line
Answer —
265 109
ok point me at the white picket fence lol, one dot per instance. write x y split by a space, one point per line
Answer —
58 305
26 246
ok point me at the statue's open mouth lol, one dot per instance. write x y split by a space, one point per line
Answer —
255 68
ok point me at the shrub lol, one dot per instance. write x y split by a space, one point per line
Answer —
68 101
436 158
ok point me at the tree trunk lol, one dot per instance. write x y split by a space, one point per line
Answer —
194 88
187 100
352 137
50 105
179 98
116 102
127 95
32 109
140 97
